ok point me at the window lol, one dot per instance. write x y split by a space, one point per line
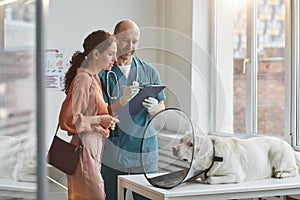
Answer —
18 99
295 75
21 99
252 66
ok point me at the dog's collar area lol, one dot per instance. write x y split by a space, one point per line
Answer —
215 159
218 159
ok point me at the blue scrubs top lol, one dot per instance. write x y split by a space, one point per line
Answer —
122 151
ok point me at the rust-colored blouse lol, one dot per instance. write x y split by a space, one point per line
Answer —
83 101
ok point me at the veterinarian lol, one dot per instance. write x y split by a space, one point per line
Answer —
122 150
84 113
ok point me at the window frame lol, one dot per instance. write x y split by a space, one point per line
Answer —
292 99
295 75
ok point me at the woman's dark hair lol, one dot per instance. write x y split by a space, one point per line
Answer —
99 40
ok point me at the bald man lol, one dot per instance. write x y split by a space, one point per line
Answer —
122 150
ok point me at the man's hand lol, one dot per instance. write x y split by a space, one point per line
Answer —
128 93
150 104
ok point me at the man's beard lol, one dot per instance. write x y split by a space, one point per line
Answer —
126 55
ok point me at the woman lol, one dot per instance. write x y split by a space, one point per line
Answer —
84 113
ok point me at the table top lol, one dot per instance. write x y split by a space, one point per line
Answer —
197 188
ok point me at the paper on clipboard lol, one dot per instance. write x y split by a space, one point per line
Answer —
135 104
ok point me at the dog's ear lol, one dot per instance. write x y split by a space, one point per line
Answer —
197 143
181 140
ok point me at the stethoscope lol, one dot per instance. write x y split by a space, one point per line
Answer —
113 74
108 90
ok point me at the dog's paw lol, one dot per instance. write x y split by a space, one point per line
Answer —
198 180
203 181
284 174
222 179
214 180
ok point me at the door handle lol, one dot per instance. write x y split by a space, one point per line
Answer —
245 62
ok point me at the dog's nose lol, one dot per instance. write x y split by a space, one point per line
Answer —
175 151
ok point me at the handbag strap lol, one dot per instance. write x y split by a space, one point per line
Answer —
57 131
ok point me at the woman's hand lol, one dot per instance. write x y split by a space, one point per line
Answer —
107 121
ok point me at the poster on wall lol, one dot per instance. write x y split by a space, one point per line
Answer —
55 68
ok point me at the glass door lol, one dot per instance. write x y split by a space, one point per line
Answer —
254 80
240 61
271 67
295 74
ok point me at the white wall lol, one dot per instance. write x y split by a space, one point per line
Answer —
175 54
187 58
70 21
202 65
224 40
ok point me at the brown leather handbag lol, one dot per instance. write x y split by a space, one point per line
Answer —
63 155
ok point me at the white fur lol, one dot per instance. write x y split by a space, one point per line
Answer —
243 159
18 158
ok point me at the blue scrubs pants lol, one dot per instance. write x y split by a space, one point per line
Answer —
110 177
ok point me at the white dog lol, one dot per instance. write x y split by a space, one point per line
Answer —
243 159
18 158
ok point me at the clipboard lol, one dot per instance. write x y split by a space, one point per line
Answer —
135 104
